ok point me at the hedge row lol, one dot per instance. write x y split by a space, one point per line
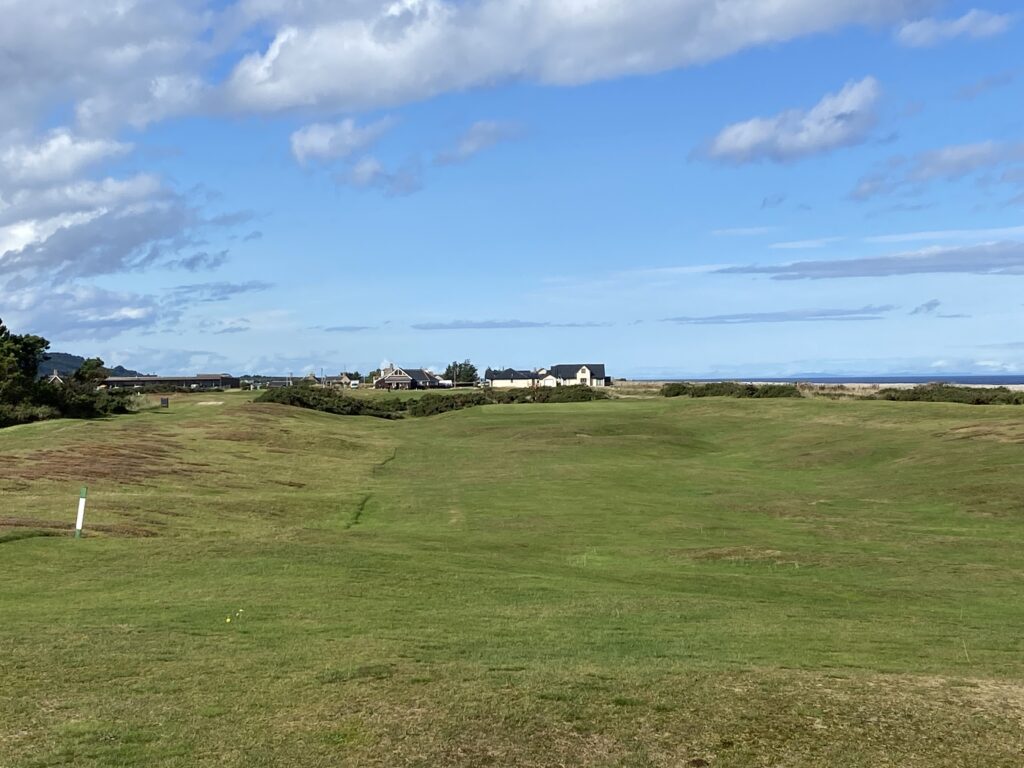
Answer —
729 389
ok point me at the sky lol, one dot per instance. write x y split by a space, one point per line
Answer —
702 188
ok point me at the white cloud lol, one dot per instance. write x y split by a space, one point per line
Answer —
61 155
974 24
480 136
333 57
838 120
330 141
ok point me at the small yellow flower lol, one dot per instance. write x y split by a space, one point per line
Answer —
228 619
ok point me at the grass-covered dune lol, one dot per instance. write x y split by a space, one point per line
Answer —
648 582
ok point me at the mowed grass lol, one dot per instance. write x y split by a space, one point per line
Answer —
640 582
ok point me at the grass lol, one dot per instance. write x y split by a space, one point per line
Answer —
638 582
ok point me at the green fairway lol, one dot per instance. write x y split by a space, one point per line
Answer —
633 582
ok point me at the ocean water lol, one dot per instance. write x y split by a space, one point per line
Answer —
977 380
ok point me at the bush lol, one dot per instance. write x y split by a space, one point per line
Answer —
947 393
433 404
729 389
329 401
574 393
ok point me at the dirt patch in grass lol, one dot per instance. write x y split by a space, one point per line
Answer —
999 432
54 528
132 462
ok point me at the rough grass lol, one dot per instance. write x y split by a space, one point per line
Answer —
621 583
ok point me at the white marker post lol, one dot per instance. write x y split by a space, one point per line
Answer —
81 514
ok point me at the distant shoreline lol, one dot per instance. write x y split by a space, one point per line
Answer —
1010 382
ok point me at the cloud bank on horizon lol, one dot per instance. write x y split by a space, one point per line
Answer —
392 176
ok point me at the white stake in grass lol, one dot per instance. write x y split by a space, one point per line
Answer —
81 514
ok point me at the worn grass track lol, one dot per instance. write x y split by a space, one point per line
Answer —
640 582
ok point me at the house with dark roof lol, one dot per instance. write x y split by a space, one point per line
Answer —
406 378
510 378
589 374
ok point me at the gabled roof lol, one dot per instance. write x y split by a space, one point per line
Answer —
419 374
569 371
510 374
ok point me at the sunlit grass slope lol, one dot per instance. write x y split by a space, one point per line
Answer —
641 582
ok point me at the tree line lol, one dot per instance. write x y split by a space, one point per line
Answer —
24 398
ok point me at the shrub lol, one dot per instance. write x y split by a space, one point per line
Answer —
433 404
574 393
729 389
329 401
948 393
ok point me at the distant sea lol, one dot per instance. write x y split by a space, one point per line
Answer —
978 380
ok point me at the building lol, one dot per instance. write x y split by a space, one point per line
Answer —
590 374
344 380
406 378
200 381
509 378
55 378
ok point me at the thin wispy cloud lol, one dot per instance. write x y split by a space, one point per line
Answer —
974 25
870 312
481 135
928 308
791 245
949 163
949 234
348 328
1006 258
840 119
489 325
744 231
980 87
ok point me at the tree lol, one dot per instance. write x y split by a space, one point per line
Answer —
461 373
20 356
91 373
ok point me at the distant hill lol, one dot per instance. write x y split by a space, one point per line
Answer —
66 365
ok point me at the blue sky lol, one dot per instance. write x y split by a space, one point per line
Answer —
673 188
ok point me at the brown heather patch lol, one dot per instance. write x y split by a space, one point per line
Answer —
115 529
1001 432
133 461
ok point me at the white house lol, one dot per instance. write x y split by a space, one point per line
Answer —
509 378
590 374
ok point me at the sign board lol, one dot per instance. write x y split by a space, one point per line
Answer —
165 402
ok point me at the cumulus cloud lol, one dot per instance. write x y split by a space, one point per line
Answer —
975 25
59 156
116 62
72 312
838 120
103 241
1004 258
480 136
870 312
386 54
330 141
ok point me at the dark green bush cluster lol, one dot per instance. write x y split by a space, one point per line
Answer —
433 404
574 393
947 393
329 401
729 389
